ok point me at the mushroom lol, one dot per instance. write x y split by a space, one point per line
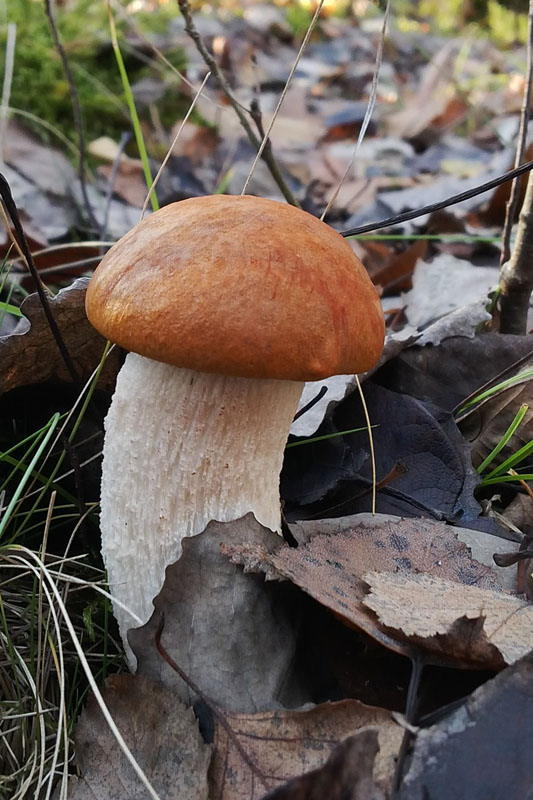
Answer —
227 306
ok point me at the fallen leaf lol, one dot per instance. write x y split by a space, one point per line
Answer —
485 424
447 374
162 735
347 774
30 355
231 634
396 275
280 745
435 613
128 180
482 749
332 565
333 477
444 285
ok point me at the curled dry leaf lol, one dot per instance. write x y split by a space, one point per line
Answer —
162 735
331 569
280 745
468 622
30 355
423 463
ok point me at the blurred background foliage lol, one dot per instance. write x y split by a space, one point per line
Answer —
39 87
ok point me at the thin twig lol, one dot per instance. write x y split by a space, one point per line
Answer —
299 55
512 203
516 274
76 110
212 65
174 141
211 705
450 201
6 86
369 110
9 203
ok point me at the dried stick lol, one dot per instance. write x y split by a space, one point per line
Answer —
7 197
516 275
449 201
76 110
222 82
512 203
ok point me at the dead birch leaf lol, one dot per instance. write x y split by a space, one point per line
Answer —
282 744
30 355
162 735
432 612
331 568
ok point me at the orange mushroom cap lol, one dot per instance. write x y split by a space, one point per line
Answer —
239 286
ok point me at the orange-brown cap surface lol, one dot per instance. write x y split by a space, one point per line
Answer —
240 286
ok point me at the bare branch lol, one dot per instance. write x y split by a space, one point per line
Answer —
212 65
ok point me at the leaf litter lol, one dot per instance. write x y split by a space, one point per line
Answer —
366 575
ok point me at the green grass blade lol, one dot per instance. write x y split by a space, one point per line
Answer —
512 461
520 414
133 112
506 479
46 438
519 378
326 436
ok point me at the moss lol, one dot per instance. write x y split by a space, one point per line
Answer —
39 84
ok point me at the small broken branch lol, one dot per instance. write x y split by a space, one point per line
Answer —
76 110
449 201
7 197
514 197
516 276
212 65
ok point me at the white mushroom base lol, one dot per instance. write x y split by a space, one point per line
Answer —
183 448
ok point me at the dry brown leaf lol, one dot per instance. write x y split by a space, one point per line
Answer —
284 744
162 735
431 611
397 274
234 636
31 355
129 182
346 775
330 568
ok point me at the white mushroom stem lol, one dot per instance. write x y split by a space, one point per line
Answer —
183 448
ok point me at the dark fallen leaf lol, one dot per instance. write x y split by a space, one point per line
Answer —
446 374
280 745
231 634
481 750
162 735
333 477
331 568
30 355
484 425
346 775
